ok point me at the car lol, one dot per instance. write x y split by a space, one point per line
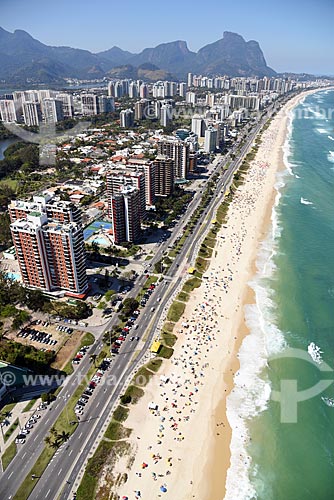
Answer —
135 326
137 338
20 441
84 396
28 426
36 415
25 431
132 339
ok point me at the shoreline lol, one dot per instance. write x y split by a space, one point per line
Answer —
199 345
220 451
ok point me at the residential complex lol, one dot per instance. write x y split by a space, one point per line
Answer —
49 244
136 163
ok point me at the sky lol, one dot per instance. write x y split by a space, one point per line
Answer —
295 35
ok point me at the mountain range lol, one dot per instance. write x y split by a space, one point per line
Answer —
23 59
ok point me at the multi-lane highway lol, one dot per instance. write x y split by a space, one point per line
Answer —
59 477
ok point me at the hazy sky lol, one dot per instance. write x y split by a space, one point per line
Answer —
295 35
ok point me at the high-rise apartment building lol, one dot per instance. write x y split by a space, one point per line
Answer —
67 102
118 180
141 109
182 89
53 110
164 175
61 211
126 118
124 210
51 255
8 111
198 125
148 169
179 152
210 141
106 104
90 104
143 91
166 114
32 113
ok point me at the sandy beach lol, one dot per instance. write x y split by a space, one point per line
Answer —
181 449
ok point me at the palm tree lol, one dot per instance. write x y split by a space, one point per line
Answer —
48 440
63 436
55 445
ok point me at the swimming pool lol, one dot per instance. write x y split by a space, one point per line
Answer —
13 276
101 240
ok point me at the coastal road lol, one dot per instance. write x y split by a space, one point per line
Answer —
70 458
165 293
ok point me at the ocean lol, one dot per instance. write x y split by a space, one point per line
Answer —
283 431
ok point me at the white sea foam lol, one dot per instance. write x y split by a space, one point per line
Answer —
251 392
304 201
328 401
287 147
330 156
322 130
315 352
330 137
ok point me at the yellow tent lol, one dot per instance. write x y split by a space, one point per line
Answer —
155 346
214 221
191 270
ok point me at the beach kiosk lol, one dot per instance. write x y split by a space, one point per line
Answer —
155 347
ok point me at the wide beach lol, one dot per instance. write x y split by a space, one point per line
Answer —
182 448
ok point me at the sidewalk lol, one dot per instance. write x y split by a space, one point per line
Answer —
16 413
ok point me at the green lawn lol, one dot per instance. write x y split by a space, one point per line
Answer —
29 405
183 297
154 365
165 352
63 423
121 413
115 431
12 183
134 392
11 429
87 339
8 455
175 311
40 465
191 284
142 377
8 408
168 339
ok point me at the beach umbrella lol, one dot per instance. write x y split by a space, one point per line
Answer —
163 489
125 498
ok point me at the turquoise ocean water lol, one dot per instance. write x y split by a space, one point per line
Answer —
273 460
